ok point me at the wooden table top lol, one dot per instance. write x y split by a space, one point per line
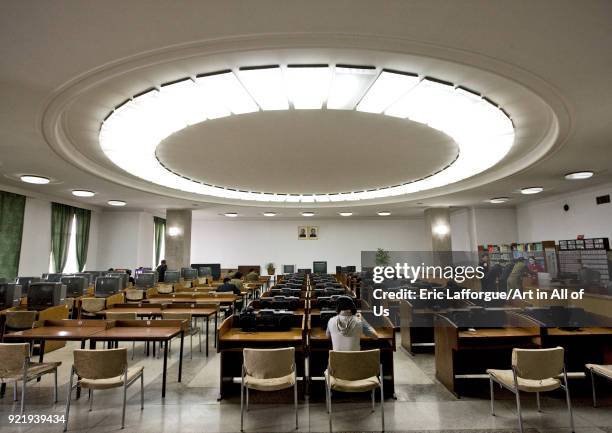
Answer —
140 333
582 331
191 300
57 332
499 332
236 334
317 333
157 311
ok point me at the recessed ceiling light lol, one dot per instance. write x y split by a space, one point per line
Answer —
174 231
231 214
82 193
346 214
498 200
532 190
578 175
307 214
269 214
384 213
38 180
116 203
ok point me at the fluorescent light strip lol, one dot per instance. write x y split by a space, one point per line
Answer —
129 136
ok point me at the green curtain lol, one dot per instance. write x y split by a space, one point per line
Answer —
159 225
61 225
83 219
11 229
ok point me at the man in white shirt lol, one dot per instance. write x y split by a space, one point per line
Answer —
347 327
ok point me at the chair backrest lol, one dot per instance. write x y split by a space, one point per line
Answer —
117 315
538 364
93 305
354 365
100 364
134 294
20 319
164 288
12 356
269 363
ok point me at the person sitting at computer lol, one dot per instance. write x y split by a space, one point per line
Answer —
228 286
252 276
161 271
346 328
131 279
236 280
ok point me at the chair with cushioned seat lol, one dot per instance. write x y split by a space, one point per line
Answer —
533 370
164 289
134 295
354 371
103 369
90 307
16 367
267 370
599 370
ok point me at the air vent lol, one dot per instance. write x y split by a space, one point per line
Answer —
603 199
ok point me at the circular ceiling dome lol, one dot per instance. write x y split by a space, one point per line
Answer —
307 151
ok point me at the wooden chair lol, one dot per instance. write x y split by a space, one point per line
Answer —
599 370
91 306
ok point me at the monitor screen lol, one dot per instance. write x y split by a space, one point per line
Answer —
189 273
53 278
146 279
25 282
288 269
90 277
10 294
214 267
319 267
172 276
204 271
124 277
75 286
106 286
43 295
304 271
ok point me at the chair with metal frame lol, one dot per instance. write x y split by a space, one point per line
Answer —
599 370
267 370
535 371
103 369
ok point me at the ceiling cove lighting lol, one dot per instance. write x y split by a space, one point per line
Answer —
498 200
117 203
579 175
269 214
82 193
307 214
346 214
130 134
38 180
231 214
532 190
383 213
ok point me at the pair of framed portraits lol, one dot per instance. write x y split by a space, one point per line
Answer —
308 233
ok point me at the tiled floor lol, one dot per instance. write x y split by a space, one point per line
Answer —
422 405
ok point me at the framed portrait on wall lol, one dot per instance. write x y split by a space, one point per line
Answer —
313 233
302 233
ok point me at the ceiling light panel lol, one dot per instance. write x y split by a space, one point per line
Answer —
308 86
348 86
223 93
388 88
266 86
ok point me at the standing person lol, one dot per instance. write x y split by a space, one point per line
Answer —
131 279
252 276
515 279
505 273
161 271
346 328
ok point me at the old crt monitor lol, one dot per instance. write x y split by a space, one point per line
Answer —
122 276
90 277
43 295
10 295
265 320
280 303
204 271
52 278
214 267
304 271
25 282
75 286
319 267
288 269
145 279
172 276
106 286
189 273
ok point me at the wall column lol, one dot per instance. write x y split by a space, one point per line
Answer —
438 231
178 238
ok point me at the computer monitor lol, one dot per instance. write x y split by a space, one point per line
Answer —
75 286
304 271
106 286
43 295
52 278
349 269
288 269
172 276
123 276
319 267
10 295
189 273
214 267
146 279
25 282
204 271
88 276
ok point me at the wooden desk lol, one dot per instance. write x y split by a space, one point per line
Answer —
320 345
156 310
460 352
205 298
232 341
146 330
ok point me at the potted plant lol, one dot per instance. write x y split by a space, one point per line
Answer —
270 268
382 257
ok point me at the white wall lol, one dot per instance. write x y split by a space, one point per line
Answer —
462 230
495 226
236 242
545 219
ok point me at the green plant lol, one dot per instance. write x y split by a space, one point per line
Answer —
382 257
270 268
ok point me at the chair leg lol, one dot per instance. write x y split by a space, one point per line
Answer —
538 401
141 391
593 388
200 339
133 348
295 402
191 346
329 406
15 391
569 402
124 403
69 393
492 396
91 394
23 394
247 398
518 409
382 398
55 385
242 403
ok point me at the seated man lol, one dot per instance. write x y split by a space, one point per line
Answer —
228 286
347 327
252 276
236 280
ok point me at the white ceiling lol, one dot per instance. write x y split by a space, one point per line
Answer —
558 51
